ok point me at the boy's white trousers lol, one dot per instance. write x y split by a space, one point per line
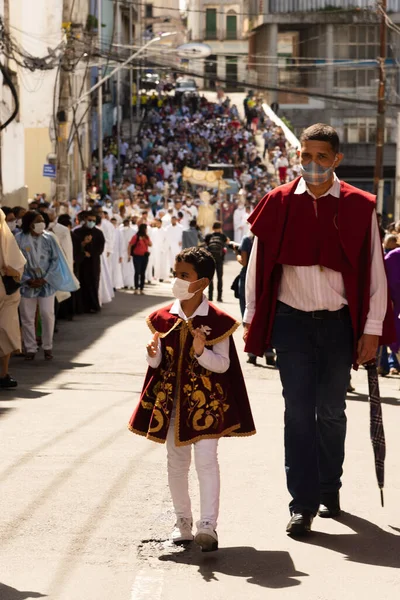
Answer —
206 462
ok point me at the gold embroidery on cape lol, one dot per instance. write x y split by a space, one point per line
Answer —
162 335
162 391
205 403
218 339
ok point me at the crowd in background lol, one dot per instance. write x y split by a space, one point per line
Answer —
127 231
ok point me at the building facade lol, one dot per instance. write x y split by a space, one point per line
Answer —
329 48
221 25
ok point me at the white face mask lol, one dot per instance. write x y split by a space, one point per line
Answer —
38 228
180 289
12 225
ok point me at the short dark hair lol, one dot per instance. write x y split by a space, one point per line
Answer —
201 260
321 133
65 220
217 225
193 223
28 219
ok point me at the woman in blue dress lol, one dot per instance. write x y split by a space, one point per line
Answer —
46 272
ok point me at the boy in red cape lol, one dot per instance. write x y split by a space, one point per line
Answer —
316 289
194 393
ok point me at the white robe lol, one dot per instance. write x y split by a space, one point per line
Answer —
162 264
174 240
150 263
239 223
106 291
125 236
117 279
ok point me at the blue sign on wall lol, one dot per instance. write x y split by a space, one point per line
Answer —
49 171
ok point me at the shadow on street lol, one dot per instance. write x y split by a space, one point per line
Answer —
72 339
356 397
266 568
369 544
9 593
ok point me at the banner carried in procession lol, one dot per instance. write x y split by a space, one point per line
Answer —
208 179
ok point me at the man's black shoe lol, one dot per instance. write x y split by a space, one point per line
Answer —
330 506
7 382
252 360
270 360
299 524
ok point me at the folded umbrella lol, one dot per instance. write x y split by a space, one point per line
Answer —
376 425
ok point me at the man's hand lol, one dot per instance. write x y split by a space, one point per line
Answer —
120 259
152 346
199 340
367 348
246 328
87 240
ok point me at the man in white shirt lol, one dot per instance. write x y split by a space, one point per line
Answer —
321 299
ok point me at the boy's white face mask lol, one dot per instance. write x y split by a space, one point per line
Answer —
180 289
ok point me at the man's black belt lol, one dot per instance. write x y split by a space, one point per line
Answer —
340 314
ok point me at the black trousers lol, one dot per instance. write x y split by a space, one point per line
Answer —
140 264
219 268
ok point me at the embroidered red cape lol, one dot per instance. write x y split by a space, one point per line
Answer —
349 248
208 404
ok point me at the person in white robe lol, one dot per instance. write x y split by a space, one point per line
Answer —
106 290
174 234
150 264
126 233
239 222
162 265
189 211
116 262
12 263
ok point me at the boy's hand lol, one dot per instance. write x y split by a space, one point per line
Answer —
152 346
246 328
198 342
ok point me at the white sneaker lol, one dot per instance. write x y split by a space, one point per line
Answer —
206 537
182 531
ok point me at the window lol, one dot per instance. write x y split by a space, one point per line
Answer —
357 42
210 71
148 11
231 26
362 130
231 73
211 24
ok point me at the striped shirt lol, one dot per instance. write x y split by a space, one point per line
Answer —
310 288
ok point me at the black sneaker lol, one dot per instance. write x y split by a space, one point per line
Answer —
299 524
7 382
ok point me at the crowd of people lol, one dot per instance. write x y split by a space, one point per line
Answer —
126 232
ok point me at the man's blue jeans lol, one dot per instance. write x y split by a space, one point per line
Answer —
314 352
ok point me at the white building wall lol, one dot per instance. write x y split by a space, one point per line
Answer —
12 148
37 26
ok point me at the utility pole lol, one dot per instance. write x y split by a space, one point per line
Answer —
119 40
138 69
380 119
62 174
100 99
131 72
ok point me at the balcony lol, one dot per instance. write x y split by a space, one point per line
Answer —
293 6
221 35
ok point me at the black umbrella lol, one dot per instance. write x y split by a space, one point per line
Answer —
376 425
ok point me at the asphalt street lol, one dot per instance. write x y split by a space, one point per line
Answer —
84 506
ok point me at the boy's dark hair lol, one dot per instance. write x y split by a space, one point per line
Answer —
201 260
193 223
321 133
217 225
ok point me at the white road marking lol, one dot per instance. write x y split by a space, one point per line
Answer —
148 585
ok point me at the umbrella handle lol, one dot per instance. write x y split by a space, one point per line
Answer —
382 501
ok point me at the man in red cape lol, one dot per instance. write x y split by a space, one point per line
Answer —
316 290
